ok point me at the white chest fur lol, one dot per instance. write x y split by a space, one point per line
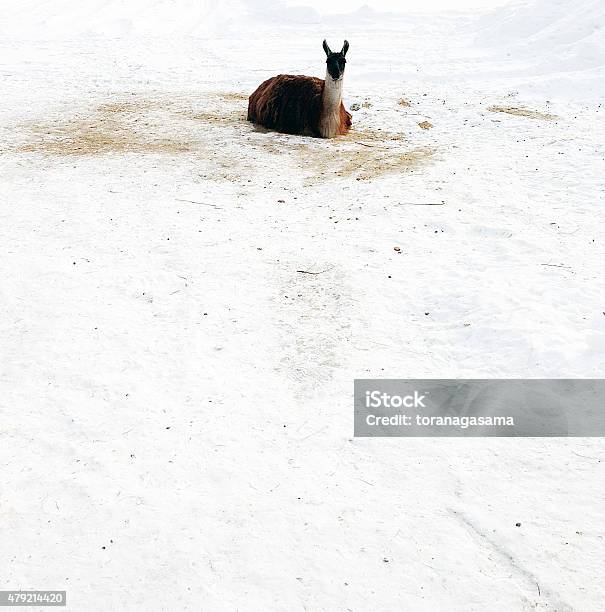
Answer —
329 123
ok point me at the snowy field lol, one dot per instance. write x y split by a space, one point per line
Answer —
186 300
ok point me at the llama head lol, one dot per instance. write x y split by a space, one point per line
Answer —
336 61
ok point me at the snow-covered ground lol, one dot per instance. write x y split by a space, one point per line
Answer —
186 301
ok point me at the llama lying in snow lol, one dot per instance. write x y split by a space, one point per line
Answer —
304 105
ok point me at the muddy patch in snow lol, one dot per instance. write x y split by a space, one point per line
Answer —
128 126
367 136
362 155
222 108
194 124
365 165
135 124
227 117
127 107
85 137
232 96
522 112
363 162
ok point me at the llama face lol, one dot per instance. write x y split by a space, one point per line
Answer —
336 61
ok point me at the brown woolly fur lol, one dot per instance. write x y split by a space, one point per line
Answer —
345 120
292 104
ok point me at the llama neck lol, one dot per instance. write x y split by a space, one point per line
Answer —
329 124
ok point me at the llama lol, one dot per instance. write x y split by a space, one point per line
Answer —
296 104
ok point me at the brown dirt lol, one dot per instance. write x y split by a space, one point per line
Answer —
227 117
369 135
404 102
78 137
135 125
360 162
221 108
234 96
129 106
131 126
522 112
365 165
425 125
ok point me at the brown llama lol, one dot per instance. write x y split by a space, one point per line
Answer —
296 104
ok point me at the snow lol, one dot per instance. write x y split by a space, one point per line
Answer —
560 43
177 388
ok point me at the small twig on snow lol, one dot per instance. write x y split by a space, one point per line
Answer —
586 456
420 204
194 202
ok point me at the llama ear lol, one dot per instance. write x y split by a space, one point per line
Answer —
326 48
345 47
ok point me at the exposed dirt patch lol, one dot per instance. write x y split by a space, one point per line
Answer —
367 137
425 125
136 105
129 126
236 96
95 137
135 124
362 154
184 124
363 163
366 165
371 136
522 112
226 117
222 108
404 102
